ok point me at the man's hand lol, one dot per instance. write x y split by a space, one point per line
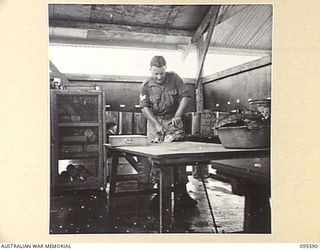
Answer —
176 121
160 129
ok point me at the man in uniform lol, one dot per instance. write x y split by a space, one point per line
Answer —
163 100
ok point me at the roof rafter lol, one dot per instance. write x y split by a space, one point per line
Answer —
204 45
204 24
185 49
226 13
103 27
117 43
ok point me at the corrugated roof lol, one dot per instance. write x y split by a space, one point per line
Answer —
241 27
184 17
250 28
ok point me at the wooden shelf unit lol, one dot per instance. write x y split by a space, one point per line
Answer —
77 128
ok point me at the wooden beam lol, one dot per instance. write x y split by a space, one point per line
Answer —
199 87
56 72
202 48
226 13
204 24
132 161
206 44
112 78
105 78
238 51
184 48
113 43
103 27
262 62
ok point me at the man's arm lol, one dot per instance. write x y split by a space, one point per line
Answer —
145 104
184 102
149 116
182 106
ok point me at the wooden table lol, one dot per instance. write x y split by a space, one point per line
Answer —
250 178
165 156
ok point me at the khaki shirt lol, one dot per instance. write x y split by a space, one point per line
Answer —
163 99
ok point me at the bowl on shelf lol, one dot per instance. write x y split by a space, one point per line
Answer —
245 137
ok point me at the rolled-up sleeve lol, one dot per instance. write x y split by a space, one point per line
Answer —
144 100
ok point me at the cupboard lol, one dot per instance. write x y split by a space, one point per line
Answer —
77 135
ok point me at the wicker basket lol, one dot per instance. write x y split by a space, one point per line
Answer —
244 137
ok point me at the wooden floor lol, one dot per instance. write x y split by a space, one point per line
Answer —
85 212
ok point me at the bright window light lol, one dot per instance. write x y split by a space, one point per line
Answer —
134 61
218 62
117 61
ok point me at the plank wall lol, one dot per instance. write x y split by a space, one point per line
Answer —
122 98
121 92
231 89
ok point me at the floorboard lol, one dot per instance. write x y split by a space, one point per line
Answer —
85 212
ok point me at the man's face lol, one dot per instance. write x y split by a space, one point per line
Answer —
158 74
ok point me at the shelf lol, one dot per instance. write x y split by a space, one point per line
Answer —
65 156
78 124
79 185
77 127
75 91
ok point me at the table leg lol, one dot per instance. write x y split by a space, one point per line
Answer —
165 203
112 176
257 211
257 218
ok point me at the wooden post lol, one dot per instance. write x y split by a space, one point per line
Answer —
202 48
199 86
204 45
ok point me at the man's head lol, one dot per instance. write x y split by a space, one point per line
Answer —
158 69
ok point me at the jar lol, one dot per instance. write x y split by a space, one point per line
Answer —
261 105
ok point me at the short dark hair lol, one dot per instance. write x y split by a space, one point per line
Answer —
158 61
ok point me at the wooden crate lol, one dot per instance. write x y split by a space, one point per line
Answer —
139 124
128 140
206 123
125 123
112 116
201 123
192 123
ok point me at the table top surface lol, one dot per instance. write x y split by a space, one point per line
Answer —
260 165
185 148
